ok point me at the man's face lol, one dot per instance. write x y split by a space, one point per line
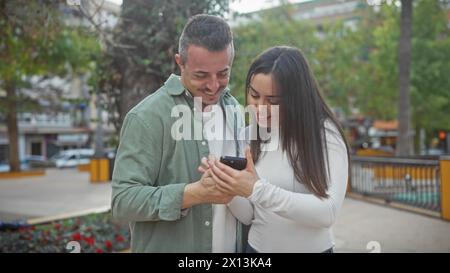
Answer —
206 73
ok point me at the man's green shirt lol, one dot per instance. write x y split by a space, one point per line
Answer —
151 171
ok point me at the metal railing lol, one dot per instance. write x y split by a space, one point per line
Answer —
412 182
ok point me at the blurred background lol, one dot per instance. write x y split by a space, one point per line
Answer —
70 71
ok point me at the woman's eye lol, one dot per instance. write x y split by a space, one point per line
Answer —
274 101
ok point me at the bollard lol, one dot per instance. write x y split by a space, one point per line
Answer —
445 187
99 169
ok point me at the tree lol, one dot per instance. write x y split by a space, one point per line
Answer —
404 139
358 67
25 33
274 27
35 42
141 56
429 68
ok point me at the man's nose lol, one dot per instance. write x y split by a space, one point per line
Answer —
213 84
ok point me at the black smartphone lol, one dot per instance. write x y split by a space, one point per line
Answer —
238 163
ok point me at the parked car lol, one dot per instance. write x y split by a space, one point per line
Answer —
36 161
72 158
4 167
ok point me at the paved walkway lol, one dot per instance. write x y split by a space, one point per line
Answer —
358 224
58 192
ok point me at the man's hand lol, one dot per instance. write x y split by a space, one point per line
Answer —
204 191
212 193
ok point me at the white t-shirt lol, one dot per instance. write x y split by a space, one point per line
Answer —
284 215
223 222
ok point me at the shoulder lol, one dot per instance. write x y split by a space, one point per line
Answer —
333 136
155 108
230 99
153 103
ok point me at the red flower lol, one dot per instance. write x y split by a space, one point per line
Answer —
76 236
99 250
119 238
108 244
89 240
57 226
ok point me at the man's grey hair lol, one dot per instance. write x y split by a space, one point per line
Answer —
207 31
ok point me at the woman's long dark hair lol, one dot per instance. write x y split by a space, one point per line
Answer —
303 113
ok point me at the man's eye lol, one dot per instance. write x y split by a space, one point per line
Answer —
223 74
200 76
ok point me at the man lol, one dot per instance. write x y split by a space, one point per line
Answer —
156 184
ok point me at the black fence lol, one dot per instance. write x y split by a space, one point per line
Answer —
413 182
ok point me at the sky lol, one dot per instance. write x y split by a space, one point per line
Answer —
244 6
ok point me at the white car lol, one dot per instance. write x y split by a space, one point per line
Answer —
72 158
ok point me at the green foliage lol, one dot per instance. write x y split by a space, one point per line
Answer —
27 32
430 66
274 28
36 42
95 233
357 68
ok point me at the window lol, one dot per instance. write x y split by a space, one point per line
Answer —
36 148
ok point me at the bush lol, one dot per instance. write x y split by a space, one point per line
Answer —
95 233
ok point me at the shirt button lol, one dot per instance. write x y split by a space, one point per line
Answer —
207 223
203 143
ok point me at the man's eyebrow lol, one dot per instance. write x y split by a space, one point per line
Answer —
204 72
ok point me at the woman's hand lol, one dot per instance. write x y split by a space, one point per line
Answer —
234 182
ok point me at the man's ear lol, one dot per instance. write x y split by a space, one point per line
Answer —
179 61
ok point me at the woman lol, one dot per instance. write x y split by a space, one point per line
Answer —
293 192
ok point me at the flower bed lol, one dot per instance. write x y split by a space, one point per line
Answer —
95 233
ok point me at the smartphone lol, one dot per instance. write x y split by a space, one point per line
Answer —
238 163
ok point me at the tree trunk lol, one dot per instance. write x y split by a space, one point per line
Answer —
136 86
404 140
99 147
13 132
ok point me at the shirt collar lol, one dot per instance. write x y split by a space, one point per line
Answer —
174 85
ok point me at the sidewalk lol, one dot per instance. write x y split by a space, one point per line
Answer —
395 230
58 192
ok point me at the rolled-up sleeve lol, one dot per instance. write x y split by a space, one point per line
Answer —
135 193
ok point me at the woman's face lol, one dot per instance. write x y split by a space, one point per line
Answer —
262 95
